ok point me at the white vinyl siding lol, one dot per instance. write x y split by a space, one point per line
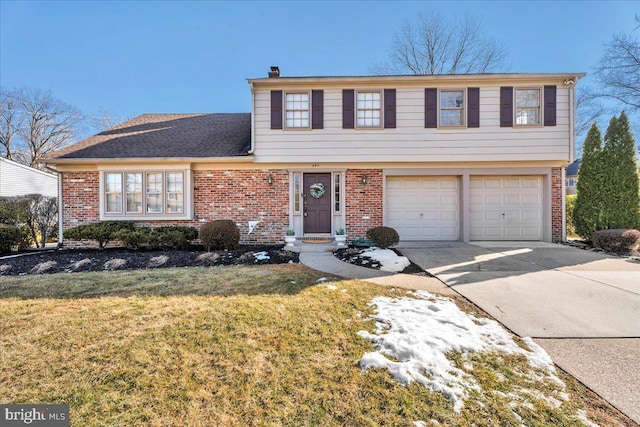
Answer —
18 180
506 208
410 141
423 208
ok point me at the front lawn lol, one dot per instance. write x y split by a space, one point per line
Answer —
252 345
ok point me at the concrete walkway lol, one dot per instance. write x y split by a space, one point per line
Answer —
320 257
582 307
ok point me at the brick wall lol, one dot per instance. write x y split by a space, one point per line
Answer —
239 195
80 197
363 201
556 204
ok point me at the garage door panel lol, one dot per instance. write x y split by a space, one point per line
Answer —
506 208
423 208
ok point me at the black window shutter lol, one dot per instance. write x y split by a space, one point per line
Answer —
317 109
506 106
431 108
473 107
549 105
276 109
389 108
348 99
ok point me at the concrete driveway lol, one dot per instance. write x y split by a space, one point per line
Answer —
582 307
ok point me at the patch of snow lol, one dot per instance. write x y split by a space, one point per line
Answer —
420 331
582 416
419 424
293 282
261 256
388 259
332 287
321 280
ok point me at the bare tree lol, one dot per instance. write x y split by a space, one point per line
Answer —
33 123
10 122
432 45
589 108
105 120
618 71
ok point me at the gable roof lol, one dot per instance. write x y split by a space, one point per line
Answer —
572 169
165 136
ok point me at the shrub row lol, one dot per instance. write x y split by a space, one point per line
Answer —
171 237
10 236
617 240
215 235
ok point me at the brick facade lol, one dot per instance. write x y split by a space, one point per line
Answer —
363 202
239 195
556 204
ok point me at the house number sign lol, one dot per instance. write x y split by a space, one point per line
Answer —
316 190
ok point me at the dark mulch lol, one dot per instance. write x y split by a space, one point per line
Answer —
352 255
588 245
76 260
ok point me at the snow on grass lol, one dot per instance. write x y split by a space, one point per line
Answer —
419 333
388 259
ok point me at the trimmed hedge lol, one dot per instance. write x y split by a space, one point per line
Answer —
220 234
383 237
170 237
617 240
102 232
10 236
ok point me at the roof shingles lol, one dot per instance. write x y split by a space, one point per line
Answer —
167 135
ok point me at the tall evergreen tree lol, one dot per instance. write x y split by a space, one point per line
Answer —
621 185
587 214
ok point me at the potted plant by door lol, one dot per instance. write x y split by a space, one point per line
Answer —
290 237
341 237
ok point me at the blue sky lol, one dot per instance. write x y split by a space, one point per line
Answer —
133 57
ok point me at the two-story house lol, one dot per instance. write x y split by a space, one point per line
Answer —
449 157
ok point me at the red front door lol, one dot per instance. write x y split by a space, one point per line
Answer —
317 202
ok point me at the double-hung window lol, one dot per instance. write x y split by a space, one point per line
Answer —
369 109
527 106
297 110
144 194
452 108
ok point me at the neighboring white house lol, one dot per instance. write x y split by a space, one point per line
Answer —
571 176
17 180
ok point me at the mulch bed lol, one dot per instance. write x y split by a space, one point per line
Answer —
588 245
352 256
77 260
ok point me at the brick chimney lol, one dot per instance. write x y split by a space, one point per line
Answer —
275 72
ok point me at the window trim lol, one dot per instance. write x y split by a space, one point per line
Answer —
284 109
355 108
540 107
464 124
187 188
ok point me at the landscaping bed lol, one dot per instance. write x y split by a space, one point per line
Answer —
83 260
375 258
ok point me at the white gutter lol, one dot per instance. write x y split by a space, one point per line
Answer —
572 124
253 115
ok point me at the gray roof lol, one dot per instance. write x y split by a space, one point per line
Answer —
572 169
167 135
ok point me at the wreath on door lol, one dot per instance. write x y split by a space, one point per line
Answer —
317 190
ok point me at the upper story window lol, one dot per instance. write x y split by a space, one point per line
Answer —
369 109
143 193
297 110
527 106
452 108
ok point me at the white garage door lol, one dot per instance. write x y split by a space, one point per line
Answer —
506 208
423 208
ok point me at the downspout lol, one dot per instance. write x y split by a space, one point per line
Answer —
253 115
564 205
60 204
